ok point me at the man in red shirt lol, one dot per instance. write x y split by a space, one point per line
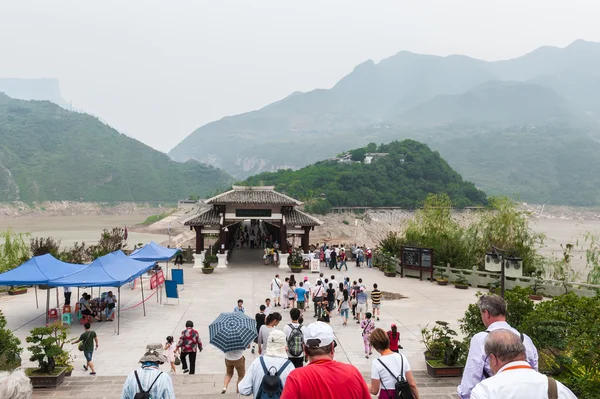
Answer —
323 377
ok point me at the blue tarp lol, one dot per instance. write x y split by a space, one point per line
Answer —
112 270
153 252
39 270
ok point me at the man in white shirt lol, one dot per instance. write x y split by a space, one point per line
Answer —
336 285
493 315
275 357
308 293
276 290
514 378
327 256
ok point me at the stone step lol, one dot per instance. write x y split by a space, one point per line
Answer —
208 386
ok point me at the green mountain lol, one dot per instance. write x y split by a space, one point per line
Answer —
435 100
48 153
505 103
402 175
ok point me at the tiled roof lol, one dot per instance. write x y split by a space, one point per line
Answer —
206 217
253 195
294 217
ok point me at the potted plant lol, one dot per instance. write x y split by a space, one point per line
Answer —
64 359
45 350
207 267
461 283
10 347
442 280
211 259
296 265
445 351
390 270
537 287
17 290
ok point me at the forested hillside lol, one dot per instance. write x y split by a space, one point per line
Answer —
48 153
403 177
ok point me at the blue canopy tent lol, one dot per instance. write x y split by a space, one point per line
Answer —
39 270
112 270
154 252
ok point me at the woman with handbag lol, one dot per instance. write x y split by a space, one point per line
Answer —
391 372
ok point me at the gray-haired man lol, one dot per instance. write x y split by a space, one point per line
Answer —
514 378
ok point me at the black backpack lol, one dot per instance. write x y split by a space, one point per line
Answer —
144 394
271 386
401 388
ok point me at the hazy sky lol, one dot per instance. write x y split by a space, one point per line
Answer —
157 70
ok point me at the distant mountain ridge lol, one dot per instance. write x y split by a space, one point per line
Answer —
43 89
50 154
408 96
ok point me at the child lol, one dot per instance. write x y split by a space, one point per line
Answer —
260 318
394 336
367 326
171 349
267 306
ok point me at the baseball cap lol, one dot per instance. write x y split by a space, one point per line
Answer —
305 278
318 335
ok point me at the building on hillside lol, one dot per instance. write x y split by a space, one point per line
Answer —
372 156
228 210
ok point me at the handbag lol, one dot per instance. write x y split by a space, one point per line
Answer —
177 361
81 345
401 388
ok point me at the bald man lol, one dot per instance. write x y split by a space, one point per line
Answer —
513 377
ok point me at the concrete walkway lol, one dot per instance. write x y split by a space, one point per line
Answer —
205 296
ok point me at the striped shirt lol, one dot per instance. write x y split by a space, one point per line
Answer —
376 297
162 389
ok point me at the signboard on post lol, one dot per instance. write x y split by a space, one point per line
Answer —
177 276
315 265
157 279
171 289
416 258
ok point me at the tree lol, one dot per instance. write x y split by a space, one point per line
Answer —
110 241
13 250
42 246
10 347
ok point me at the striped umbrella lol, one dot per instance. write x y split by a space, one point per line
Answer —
232 331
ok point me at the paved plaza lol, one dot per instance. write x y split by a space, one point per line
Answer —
205 296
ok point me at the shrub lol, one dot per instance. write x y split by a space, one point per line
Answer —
13 250
44 349
10 347
42 246
392 244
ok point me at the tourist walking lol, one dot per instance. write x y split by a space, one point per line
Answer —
292 292
493 314
318 294
276 290
394 337
376 301
343 260
324 378
295 339
240 306
333 260
307 287
273 364
148 378
330 297
88 338
345 307
300 296
327 257
359 256
234 360
260 319
367 327
189 345
171 349
389 369
268 308
361 304
285 288
339 295
271 322
369 257
514 378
